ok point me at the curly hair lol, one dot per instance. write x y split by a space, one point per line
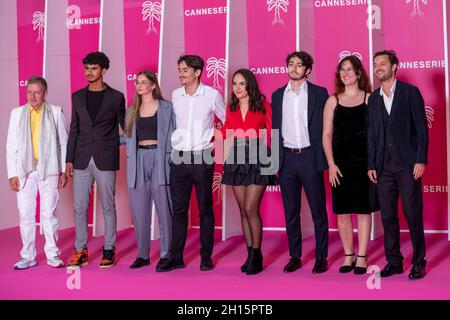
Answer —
256 98
97 58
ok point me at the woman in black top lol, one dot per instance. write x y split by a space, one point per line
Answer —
149 124
345 145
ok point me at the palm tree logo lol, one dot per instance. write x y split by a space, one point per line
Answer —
217 185
429 112
39 23
347 53
151 10
216 67
277 6
417 11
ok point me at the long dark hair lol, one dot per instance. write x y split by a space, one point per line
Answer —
137 100
256 98
363 79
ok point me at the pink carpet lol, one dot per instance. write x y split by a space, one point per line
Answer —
225 281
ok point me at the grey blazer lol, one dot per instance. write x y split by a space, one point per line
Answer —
166 126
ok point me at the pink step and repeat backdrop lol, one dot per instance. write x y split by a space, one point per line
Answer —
328 29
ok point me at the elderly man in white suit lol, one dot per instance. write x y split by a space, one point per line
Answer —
36 152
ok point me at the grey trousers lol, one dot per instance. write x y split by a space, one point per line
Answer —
82 185
148 189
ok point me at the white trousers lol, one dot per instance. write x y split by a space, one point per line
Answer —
26 202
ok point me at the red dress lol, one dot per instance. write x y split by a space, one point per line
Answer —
250 153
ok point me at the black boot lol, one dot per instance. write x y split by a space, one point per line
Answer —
255 265
249 253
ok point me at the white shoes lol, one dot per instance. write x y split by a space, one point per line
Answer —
23 264
55 262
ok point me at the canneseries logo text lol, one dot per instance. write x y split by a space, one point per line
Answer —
215 67
416 8
429 111
217 186
277 6
347 53
151 11
39 24
74 21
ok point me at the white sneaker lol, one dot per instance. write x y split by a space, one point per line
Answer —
55 262
23 264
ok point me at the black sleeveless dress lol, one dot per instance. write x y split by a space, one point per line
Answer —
356 193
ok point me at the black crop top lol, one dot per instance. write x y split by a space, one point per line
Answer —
147 127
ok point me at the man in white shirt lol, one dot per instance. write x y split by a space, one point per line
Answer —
397 156
192 163
297 111
35 151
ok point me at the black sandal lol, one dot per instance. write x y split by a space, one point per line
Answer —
348 268
360 270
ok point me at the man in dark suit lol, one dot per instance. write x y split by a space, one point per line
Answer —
297 114
93 154
397 151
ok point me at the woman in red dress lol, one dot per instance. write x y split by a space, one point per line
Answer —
248 122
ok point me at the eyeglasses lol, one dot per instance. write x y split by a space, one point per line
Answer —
141 83
342 70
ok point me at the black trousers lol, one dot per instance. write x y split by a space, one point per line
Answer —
390 184
182 178
297 172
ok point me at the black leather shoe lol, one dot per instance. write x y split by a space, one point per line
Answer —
206 264
417 271
292 265
139 262
320 266
171 264
161 262
391 269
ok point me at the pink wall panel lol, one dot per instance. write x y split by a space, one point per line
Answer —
142 34
205 35
271 36
84 27
416 33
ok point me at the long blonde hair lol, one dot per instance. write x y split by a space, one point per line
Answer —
137 100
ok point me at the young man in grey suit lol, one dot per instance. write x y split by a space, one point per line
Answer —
93 154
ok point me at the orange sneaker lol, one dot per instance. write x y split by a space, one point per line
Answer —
79 259
109 258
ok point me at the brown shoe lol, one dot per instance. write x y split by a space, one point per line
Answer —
109 258
79 259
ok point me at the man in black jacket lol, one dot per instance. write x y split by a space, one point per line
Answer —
297 112
93 154
397 152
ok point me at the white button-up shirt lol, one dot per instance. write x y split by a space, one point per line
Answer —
294 126
195 117
388 100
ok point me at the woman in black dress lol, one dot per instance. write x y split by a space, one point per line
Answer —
345 145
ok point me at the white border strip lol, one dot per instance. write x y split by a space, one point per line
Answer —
100 36
161 38
44 60
297 25
447 106
370 27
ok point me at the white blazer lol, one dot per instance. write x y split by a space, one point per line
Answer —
55 163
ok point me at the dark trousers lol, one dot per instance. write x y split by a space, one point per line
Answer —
182 178
298 172
390 184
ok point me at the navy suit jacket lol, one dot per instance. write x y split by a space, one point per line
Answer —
408 126
317 97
